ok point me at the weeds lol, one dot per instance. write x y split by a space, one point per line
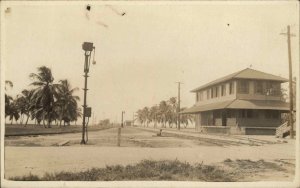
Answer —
144 170
168 170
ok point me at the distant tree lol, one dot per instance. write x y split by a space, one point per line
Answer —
25 104
143 116
13 111
147 117
140 116
153 115
43 94
172 111
185 119
66 102
163 112
104 122
8 99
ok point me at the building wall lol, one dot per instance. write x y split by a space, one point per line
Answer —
204 119
251 95
255 96
197 121
235 123
220 98
258 122
231 122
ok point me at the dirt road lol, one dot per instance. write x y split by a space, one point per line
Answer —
136 145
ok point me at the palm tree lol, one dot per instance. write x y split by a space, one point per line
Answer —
163 112
186 118
140 116
66 101
14 111
146 115
78 114
153 115
172 111
8 99
25 104
43 94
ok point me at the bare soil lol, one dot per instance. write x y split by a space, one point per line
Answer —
41 154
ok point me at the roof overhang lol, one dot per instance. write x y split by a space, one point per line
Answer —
206 107
240 104
259 105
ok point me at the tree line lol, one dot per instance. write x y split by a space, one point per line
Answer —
45 102
164 113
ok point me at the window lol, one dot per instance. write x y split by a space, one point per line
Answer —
211 93
217 114
217 91
208 93
230 114
242 113
201 96
258 87
223 90
214 92
197 97
231 88
272 88
243 86
275 114
272 114
249 113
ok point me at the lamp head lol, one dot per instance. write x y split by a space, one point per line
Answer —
87 46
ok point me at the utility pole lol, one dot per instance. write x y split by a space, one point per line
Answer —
291 119
133 119
122 124
178 108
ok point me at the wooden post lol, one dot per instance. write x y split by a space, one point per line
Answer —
291 119
119 137
178 108
290 82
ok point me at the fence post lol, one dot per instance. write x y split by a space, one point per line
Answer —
119 136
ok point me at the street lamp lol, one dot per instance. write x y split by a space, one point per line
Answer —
88 49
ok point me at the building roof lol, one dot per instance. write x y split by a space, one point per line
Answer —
244 74
240 104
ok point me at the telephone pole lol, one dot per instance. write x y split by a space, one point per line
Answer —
178 108
291 119
122 123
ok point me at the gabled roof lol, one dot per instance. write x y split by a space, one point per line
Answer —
244 74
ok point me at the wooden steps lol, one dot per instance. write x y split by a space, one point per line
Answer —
283 130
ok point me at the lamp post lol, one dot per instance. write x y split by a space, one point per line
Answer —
88 48
122 123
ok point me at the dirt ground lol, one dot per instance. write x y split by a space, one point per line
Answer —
41 154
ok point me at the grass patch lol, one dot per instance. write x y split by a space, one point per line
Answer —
145 170
165 170
252 165
34 130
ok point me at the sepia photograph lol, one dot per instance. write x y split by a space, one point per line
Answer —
150 94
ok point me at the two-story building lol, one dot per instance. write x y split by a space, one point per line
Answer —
245 102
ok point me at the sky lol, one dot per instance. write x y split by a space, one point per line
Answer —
141 56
